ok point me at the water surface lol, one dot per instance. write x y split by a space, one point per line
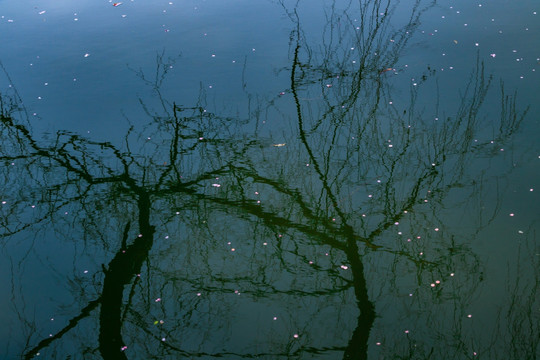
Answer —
270 179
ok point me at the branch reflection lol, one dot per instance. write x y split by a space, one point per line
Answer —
211 240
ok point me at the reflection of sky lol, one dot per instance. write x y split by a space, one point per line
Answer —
50 48
91 93
55 44
453 33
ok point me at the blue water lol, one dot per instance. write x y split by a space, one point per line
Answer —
269 179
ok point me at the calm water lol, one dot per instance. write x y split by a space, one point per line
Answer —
270 179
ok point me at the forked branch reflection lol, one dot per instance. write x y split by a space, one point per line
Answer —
215 242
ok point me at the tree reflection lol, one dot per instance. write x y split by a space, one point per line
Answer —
330 219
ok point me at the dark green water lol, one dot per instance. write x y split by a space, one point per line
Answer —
270 180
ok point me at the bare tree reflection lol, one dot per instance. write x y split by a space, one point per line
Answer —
198 217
